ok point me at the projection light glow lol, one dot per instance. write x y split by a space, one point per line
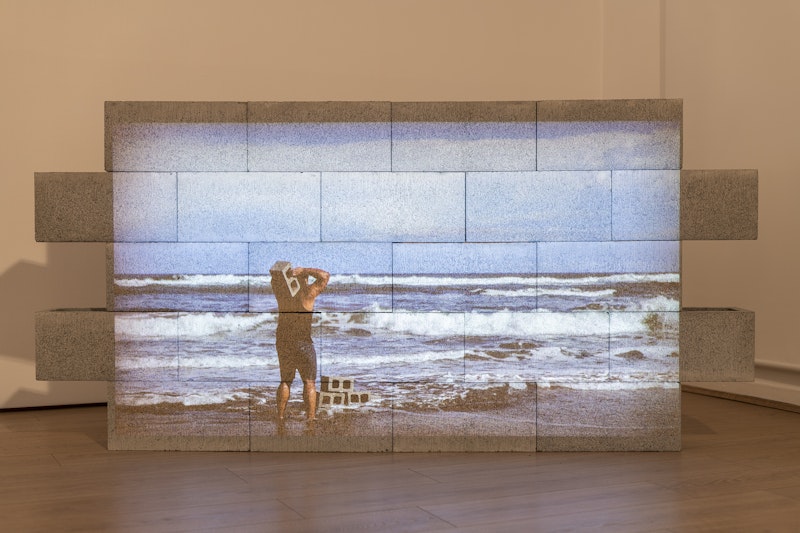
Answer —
375 276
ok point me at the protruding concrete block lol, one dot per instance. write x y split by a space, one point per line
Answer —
463 136
393 206
74 345
145 207
609 134
717 344
74 206
719 204
336 384
538 206
176 136
248 206
645 205
608 417
456 417
319 136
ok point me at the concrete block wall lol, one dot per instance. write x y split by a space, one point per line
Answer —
491 261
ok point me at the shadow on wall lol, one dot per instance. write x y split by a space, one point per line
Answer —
73 276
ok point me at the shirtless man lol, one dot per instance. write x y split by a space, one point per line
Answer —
296 296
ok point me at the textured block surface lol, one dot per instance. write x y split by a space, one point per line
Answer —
314 136
539 206
360 273
174 136
453 136
498 417
719 204
398 206
608 417
145 206
74 345
73 206
717 344
609 134
248 206
646 205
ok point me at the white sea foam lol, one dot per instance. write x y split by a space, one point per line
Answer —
135 326
207 324
530 324
187 280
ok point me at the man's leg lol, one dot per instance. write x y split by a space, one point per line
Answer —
310 396
283 398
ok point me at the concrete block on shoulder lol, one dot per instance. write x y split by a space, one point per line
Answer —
73 207
74 345
717 344
719 204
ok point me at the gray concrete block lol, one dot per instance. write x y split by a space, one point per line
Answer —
609 134
646 205
391 347
608 417
719 204
145 206
469 276
176 136
73 206
179 416
623 257
319 136
363 270
511 347
177 277
644 346
463 136
146 347
74 345
248 206
393 207
717 344
499 417
538 206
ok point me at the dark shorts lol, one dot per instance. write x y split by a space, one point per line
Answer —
297 356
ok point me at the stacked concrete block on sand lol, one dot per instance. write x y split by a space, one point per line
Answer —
176 136
719 204
717 344
463 136
319 136
73 207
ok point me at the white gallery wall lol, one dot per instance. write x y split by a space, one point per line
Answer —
732 61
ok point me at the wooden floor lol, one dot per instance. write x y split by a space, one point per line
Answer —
739 471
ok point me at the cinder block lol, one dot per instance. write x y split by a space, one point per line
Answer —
646 205
538 206
463 136
176 136
608 417
717 344
644 346
179 416
719 204
73 206
336 384
248 206
456 417
609 134
357 398
146 347
390 347
331 399
319 136
364 268
145 207
177 277
512 347
393 207
476 273
74 345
